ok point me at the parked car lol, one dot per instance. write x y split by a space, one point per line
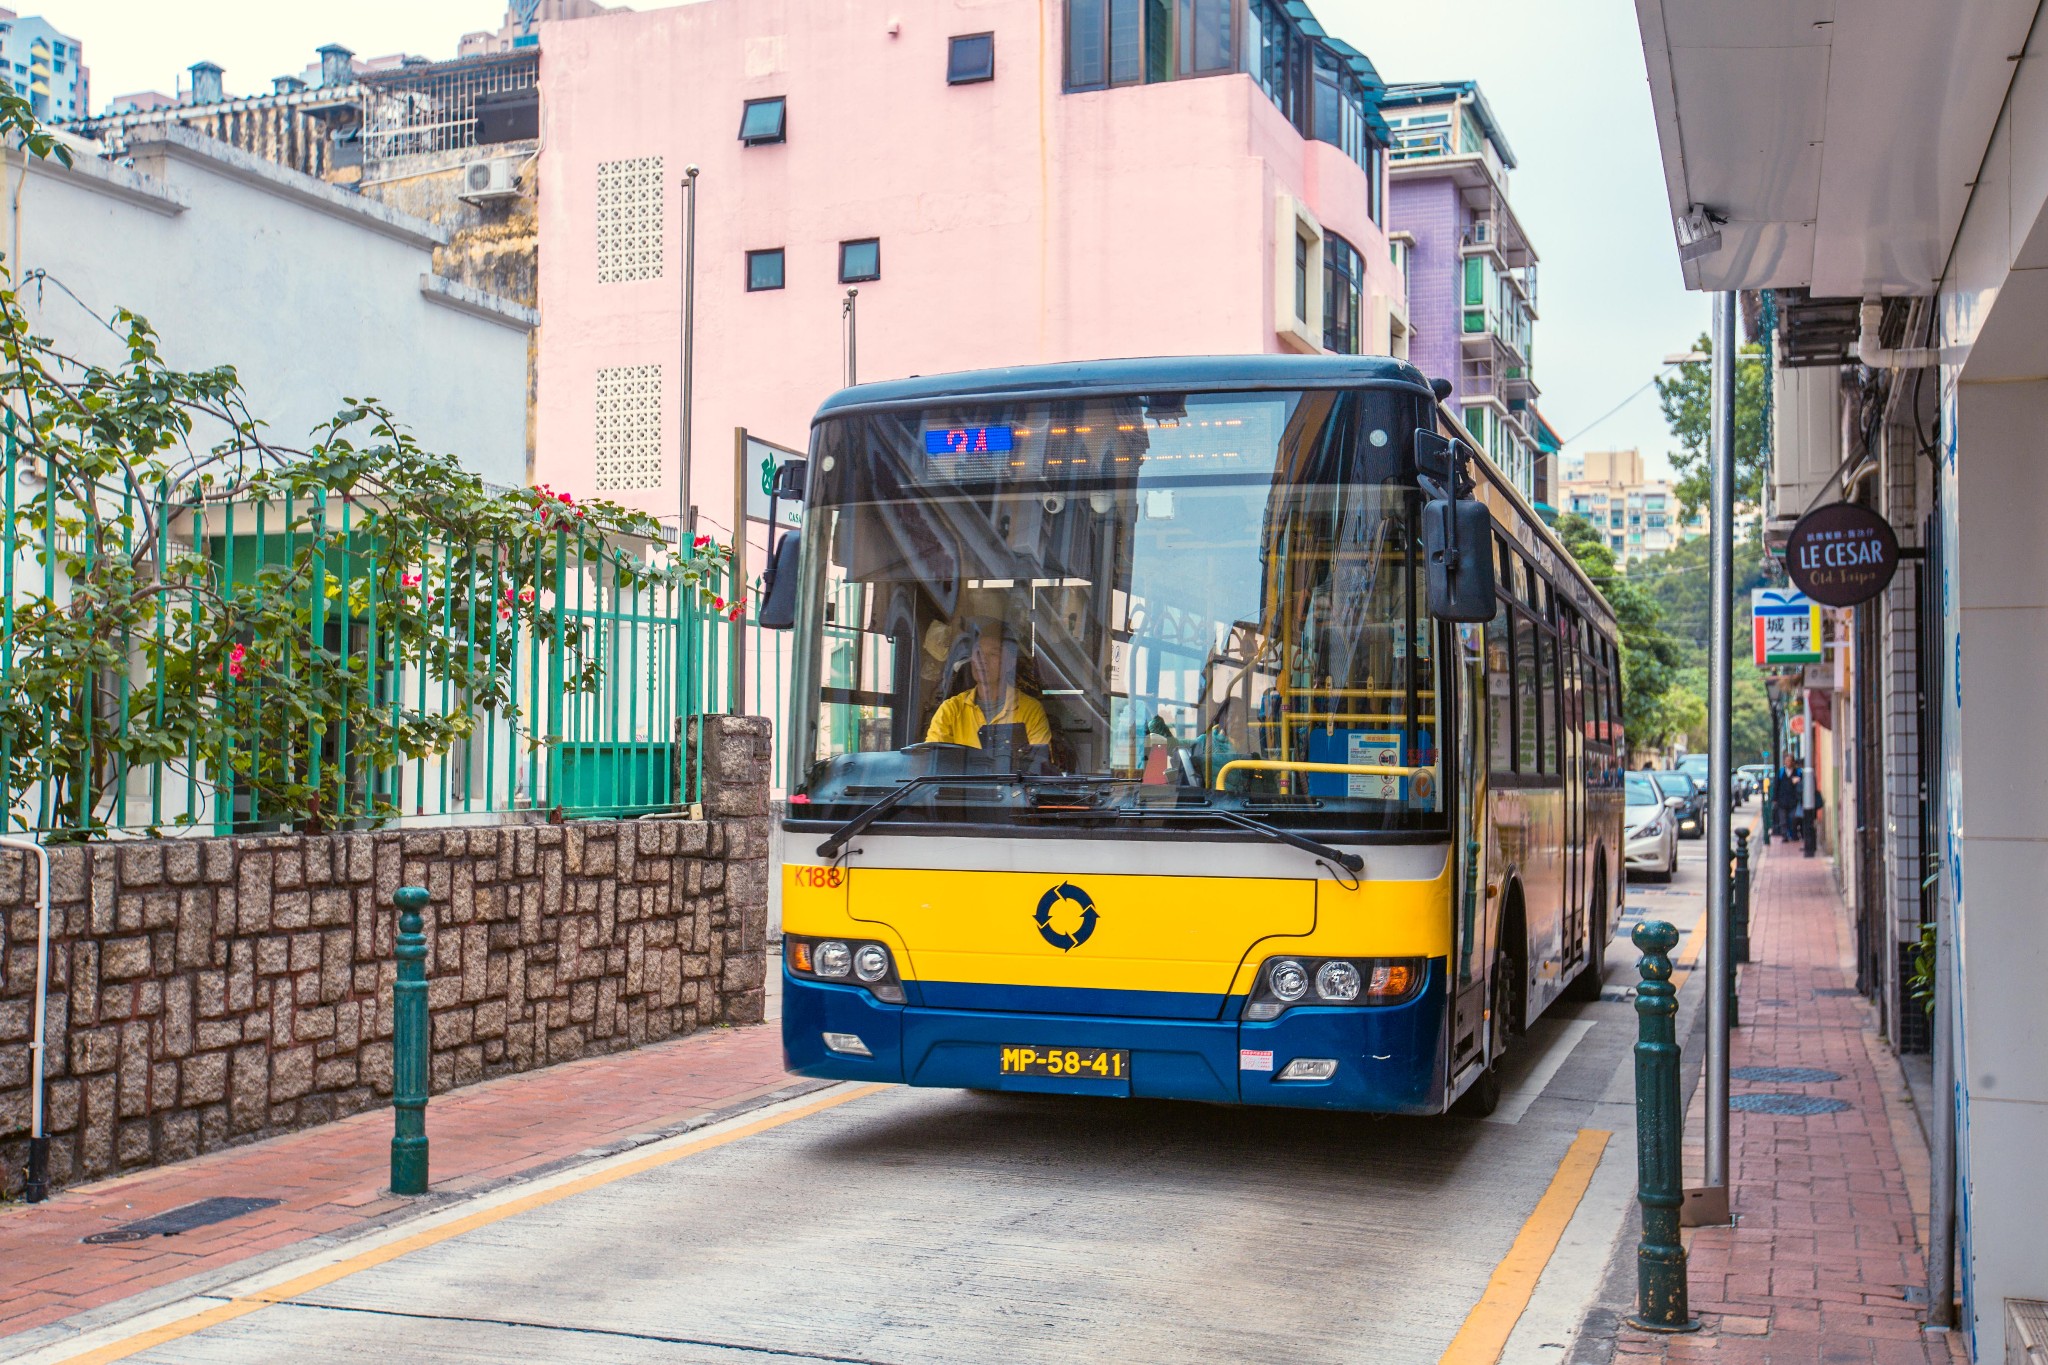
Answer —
1758 775
1690 801
1651 829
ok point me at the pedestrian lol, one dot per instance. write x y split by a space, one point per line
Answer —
1809 817
1785 801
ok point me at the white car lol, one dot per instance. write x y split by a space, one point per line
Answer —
1650 828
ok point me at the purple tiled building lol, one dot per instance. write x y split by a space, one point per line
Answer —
1470 270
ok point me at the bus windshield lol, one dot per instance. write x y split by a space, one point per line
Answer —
1120 607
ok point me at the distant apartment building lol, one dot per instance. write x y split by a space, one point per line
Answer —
1638 516
46 66
1470 268
1004 182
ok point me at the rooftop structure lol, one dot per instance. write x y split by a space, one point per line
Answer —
1471 269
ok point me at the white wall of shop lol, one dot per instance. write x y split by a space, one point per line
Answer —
1994 467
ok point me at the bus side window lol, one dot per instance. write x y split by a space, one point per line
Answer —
1500 702
1553 700
1528 727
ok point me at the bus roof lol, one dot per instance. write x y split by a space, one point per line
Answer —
1193 373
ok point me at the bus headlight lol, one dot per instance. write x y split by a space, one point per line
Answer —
1288 980
1283 983
868 964
1337 980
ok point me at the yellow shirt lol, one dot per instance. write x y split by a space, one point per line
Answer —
959 719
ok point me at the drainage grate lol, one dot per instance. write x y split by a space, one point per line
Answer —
1798 1106
1836 990
185 1219
1784 1075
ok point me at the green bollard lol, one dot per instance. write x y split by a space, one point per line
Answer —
1738 906
409 1047
1660 1257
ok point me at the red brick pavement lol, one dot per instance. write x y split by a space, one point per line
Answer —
1827 1238
332 1180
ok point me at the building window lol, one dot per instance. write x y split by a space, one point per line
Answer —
1343 295
764 269
764 121
629 214
971 57
628 428
1129 42
1300 276
1205 38
1087 44
858 260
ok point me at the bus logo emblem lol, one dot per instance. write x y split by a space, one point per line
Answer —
1065 891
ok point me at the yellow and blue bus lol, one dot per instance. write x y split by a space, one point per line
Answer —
1128 759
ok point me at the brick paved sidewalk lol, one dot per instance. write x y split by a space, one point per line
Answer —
332 1179
1827 1240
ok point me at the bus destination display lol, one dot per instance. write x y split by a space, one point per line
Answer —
969 441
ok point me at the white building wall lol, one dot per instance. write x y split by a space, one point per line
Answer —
314 294
1993 645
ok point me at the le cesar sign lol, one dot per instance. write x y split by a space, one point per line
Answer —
1787 627
1842 554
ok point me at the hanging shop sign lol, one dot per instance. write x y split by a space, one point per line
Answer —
1787 627
1842 554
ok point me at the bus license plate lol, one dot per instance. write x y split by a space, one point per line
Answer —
1086 1063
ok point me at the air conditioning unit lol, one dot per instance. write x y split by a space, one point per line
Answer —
490 181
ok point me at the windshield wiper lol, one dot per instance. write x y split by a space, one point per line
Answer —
1350 862
836 840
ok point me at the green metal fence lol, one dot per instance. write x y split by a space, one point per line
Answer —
594 715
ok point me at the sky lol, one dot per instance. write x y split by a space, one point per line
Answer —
1564 78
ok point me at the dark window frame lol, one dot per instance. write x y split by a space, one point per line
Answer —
1343 267
953 48
781 269
876 243
747 107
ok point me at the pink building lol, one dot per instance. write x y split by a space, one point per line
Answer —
1004 181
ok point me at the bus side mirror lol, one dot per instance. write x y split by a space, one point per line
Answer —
1457 553
778 584
790 478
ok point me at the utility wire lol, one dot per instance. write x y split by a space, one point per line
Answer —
1610 412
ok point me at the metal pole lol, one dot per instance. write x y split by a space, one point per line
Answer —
409 1046
1720 979
852 337
684 521
741 583
1661 1293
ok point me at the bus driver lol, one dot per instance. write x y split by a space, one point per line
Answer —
993 700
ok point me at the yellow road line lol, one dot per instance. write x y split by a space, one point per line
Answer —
1485 1333
405 1246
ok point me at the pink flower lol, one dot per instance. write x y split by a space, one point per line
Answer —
702 541
239 662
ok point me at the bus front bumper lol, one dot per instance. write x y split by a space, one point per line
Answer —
1389 1057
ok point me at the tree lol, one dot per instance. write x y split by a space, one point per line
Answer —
135 640
1686 396
1649 659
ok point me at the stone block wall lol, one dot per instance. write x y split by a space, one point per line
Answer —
209 991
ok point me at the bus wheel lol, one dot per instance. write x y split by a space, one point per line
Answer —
1482 1097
